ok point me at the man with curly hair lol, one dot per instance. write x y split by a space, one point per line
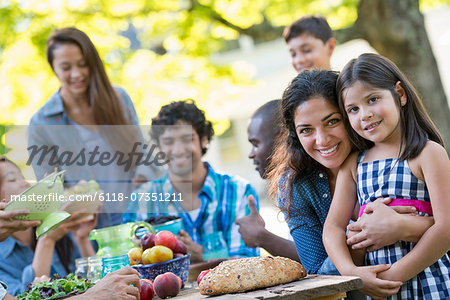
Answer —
210 201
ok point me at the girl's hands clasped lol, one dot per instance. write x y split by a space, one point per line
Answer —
374 286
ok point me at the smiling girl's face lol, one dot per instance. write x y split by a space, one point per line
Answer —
374 113
12 181
321 132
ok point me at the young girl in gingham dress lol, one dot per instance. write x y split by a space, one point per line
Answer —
392 178
401 157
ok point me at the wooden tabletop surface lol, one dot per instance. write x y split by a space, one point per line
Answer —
312 286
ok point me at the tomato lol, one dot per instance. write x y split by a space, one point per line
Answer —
201 275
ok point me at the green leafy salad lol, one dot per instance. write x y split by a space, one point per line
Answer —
55 288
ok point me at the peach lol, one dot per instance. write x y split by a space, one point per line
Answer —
165 238
147 291
167 285
181 282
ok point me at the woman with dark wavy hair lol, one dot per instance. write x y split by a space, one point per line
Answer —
98 115
308 154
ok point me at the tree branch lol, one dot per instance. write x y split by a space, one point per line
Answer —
347 34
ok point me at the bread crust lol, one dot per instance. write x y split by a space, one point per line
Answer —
238 275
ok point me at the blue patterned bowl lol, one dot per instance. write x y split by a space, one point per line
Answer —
179 266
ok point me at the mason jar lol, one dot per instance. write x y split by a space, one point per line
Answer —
95 269
81 267
111 264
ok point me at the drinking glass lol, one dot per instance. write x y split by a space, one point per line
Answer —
111 264
214 246
81 267
95 269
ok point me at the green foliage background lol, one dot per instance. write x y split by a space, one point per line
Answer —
165 56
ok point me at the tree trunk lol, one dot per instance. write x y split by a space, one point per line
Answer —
396 29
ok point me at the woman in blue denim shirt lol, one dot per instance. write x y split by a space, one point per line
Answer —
91 115
307 158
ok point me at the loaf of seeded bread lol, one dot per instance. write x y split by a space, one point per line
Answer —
238 275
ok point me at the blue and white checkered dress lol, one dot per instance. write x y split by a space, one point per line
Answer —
393 178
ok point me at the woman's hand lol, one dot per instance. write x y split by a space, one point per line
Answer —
194 249
378 226
121 284
8 226
372 285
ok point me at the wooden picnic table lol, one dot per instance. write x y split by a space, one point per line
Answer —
311 287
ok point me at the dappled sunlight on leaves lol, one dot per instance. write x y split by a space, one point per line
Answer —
243 13
159 51
154 80
28 82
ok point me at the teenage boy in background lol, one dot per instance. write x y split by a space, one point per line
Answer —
311 43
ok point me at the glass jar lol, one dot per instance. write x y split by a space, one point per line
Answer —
81 267
111 264
117 240
214 246
95 269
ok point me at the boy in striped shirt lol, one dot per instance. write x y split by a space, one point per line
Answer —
210 201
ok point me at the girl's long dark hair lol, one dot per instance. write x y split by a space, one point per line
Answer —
376 71
290 160
64 247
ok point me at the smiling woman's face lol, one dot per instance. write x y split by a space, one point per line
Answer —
320 130
71 68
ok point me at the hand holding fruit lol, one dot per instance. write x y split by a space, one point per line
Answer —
121 284
194 249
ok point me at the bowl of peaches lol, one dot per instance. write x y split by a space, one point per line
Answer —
158 254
